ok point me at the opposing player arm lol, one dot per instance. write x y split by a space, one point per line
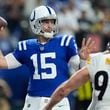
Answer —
75 81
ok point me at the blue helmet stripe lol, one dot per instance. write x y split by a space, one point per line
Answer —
49 10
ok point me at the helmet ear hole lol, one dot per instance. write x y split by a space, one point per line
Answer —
34 26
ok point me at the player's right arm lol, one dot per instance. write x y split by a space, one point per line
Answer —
3 62
11 60
8 61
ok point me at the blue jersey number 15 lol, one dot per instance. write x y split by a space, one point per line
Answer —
44 65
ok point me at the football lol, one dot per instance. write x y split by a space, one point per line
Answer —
3 23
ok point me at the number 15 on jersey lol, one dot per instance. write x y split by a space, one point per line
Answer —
44 65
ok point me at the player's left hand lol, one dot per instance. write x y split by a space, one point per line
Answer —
86 48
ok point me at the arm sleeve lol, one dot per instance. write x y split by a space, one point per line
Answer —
15 59
12 62
74 64
72 47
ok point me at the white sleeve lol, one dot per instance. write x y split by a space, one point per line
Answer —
12 62
82 63
74 64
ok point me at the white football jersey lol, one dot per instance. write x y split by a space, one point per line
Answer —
99 70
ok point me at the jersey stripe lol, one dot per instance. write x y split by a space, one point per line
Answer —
68 40
22 46
63 40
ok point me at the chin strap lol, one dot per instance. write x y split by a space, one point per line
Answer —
48 34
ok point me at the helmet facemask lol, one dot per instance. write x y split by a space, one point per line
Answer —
40 31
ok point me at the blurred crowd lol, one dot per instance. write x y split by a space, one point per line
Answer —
82 18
